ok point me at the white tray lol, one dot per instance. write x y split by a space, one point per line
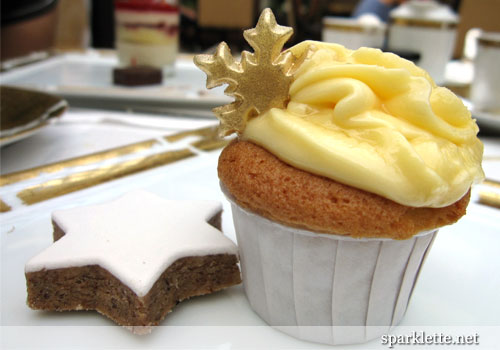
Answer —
85 80
457 292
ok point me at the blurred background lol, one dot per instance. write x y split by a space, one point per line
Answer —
456 41
79 24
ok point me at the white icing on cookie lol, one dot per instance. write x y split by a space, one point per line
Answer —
136 237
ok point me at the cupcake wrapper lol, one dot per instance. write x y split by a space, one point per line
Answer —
326 288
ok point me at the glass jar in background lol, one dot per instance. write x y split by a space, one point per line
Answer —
147 33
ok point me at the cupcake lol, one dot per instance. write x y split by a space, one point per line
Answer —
346 165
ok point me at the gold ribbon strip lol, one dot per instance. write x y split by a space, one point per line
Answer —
4 207
83 160
208 133
74 182
490 198
210 144
491 182
79 181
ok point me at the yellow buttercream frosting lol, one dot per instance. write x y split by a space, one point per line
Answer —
374 121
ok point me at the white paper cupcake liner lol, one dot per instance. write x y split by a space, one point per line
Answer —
326 288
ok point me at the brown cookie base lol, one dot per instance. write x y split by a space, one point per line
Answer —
94 288
262 183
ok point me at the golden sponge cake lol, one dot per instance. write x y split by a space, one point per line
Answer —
262 183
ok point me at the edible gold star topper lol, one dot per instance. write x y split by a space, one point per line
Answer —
259 82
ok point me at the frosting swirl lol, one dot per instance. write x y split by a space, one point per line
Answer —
374 121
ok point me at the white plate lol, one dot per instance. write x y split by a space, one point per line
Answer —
85 80
36 124
21 135
457 292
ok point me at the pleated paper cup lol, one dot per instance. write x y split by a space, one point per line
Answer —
326 288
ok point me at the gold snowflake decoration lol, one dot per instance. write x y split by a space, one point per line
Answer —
259 82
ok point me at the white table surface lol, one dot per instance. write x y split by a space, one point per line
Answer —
457 292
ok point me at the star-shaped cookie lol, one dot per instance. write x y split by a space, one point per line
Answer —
132 259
